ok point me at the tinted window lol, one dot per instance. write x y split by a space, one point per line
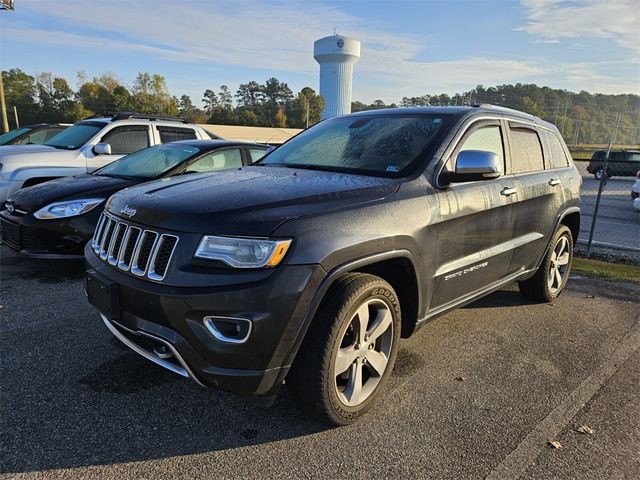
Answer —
526 152
5 138
616 156
257 153
385 145
38 137
218 160
556 155
76 135
150 162
171 134
634 157
487 139
125 140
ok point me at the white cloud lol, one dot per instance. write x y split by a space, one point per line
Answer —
557 19
278 38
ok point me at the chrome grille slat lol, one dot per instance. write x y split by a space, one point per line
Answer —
141 252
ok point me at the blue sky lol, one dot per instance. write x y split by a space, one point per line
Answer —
409 48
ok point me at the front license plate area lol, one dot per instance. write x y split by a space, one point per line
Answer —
103 294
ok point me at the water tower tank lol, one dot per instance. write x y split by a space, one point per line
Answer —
336 55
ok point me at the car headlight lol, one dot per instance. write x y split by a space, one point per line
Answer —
243 252
70 208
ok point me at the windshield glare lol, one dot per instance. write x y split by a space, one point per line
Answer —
75 136
150 162
7 137
386 145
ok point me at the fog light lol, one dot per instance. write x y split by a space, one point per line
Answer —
229 329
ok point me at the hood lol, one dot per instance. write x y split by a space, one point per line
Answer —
250 201
20 149
67 188
14 157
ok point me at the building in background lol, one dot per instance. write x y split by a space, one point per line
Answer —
336 55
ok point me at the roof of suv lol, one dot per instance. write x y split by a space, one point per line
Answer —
459 111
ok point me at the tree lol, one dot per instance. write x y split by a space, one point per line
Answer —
20 91
225 98
250 95
306 109
210 101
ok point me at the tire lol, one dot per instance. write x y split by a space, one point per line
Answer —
551 277
598 173
337 339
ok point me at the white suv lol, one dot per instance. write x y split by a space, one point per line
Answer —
87 146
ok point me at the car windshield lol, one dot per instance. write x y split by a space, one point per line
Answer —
75 136
150 162
5 138
381 145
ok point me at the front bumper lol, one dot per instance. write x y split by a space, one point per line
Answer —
52 239
142 311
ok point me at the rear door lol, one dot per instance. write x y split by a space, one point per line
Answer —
476 223
539 193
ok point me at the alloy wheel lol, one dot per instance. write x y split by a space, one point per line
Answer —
558 265
363 354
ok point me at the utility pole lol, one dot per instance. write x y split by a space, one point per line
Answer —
15 115
555 121
564 119
3 107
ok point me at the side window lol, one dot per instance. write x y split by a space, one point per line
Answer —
556 158
634 157
487 138
36 137
218 160
526 151
124 140
173 134
257 153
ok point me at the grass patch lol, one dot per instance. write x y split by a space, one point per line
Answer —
605 270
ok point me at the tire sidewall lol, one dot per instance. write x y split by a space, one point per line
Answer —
380 291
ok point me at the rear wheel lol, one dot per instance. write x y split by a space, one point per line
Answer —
349 351
552 275
598 173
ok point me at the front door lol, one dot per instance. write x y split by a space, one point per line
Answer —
123 140
475 227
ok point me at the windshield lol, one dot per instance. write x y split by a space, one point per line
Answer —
75 136
384 145
5 138
150 162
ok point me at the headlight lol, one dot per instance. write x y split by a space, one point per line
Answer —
67 209
243 252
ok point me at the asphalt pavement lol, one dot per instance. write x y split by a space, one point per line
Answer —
476 393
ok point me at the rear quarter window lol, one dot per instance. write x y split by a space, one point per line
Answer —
174 134
556 156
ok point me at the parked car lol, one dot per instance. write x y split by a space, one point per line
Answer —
87 146
38 134
56 219
621 163
635 192
312 264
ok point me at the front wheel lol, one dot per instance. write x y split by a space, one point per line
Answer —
349 350
551 277
599 173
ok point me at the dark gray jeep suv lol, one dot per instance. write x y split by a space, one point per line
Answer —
310 265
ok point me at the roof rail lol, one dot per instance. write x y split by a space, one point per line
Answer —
150 116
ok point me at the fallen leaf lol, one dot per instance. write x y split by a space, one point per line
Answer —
590 296
555 444
460 379
584 430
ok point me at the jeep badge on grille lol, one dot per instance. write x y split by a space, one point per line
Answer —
129 212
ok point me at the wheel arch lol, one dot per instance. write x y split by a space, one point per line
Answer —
397 267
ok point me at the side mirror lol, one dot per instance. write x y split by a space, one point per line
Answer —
102 149
473 165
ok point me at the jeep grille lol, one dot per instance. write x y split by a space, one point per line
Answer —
142 252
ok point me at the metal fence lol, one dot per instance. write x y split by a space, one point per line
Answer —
610 223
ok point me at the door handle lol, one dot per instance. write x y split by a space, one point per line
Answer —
506 191
554 181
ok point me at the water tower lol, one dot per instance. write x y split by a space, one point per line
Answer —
336 55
